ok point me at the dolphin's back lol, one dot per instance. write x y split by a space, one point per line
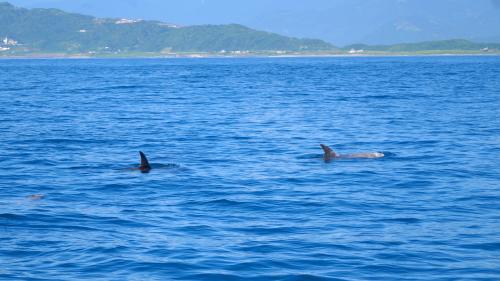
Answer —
363 155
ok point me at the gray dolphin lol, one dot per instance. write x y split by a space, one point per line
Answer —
329 154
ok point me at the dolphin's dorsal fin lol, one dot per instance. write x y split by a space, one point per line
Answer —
329 153
144 161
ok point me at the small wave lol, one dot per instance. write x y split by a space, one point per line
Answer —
71 141
277 277
415 142
119 87
242 138
388 154
108 250
279 230
86 167
402 220
383 97
148 266
216 276
8 216
16 89
224 202
123 87
483 198
483 246
216 203
310 156
166 166
43 162
300 277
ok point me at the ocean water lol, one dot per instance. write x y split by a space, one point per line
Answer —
239 190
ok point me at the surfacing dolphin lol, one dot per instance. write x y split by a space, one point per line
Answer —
329 154
144 167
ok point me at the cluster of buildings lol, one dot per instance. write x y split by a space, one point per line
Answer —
234 52
247 52
354 51
127 21
7 43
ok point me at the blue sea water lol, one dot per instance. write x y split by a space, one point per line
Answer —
240 191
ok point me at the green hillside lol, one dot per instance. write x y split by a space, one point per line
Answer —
25 32
431 46
55 31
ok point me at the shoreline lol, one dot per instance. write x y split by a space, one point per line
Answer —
210 56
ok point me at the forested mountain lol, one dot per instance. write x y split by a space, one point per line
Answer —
55 31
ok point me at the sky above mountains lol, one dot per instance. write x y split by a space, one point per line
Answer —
340 22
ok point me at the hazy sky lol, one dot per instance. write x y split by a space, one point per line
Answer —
340 22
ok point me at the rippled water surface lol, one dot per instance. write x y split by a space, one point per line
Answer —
240 191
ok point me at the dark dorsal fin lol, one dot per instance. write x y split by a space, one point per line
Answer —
329 153
144 162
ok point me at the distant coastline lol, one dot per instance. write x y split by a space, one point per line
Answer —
249 55
51 33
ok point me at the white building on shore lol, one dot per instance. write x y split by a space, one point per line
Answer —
9 41
354 51
127 21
